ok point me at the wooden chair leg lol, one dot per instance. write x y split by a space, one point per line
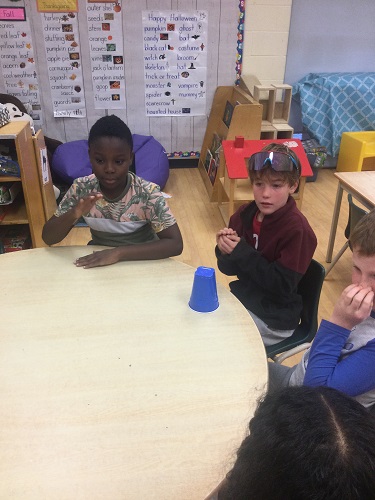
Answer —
334 261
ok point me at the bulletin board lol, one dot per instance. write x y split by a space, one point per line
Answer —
116 85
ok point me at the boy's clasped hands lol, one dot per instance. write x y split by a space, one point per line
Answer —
226 240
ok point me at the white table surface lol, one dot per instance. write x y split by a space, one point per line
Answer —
112 387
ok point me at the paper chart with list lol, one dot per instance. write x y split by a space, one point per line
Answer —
106 54
18 67
64 64
175 62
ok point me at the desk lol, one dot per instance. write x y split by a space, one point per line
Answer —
361 185
234 171
112 387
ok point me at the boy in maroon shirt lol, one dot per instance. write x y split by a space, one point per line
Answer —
269 245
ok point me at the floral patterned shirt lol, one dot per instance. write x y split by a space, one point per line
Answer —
136 216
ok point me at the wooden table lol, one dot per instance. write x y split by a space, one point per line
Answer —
361 185
112 387
235 183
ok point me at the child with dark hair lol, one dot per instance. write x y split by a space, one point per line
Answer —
305 443
122 210
269 245
342 354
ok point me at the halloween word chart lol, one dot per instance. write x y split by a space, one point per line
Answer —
106 53
64 64
175 62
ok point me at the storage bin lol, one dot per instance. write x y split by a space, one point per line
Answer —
316 155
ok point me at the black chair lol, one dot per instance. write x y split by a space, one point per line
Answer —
309 288
355 215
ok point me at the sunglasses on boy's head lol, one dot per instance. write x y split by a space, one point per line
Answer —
280 162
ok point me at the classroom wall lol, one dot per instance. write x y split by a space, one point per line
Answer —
283 41
286 40
338 35
175 133
266 39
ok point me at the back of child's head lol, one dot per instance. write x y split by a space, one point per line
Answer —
305 443
111 126
290 177
362 238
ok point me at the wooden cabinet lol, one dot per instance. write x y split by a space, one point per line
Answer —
33 204
233 113
45 179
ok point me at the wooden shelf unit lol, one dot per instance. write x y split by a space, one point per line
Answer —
245 121
15 213
29 206
45 178
276 101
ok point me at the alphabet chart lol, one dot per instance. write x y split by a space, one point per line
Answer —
175 62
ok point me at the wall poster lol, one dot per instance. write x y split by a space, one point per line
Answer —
18 66
104 24
63 56
175 62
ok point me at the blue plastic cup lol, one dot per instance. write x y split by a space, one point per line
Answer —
204 294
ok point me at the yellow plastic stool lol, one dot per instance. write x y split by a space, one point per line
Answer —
357 152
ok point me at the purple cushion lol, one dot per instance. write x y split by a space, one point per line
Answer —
71 160
151 161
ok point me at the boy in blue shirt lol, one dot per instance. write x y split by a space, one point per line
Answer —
342 354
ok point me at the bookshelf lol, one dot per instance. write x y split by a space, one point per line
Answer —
28 208
233 113
45 179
